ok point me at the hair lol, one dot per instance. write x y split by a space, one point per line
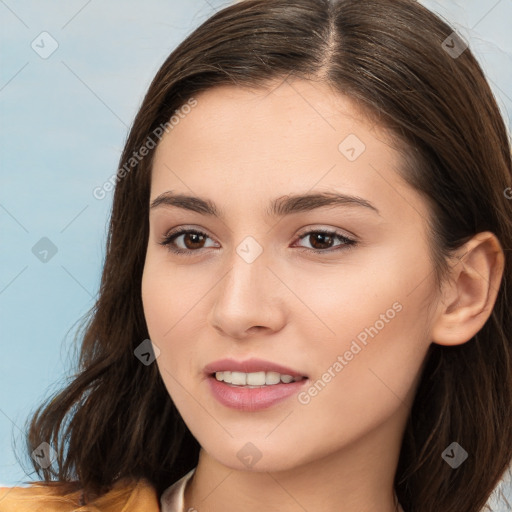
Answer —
115 418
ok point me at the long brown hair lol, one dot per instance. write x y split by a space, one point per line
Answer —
115 418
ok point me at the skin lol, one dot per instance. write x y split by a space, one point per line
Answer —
242 148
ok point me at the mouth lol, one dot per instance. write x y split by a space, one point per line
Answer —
252 385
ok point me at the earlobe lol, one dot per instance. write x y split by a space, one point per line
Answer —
470 291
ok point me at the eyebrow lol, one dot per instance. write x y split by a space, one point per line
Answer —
279 207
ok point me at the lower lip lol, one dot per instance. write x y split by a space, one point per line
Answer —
252 399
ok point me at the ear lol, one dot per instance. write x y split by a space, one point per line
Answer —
469 292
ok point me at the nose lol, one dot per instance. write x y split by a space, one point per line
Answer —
249 300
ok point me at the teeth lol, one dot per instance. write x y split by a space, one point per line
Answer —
239 378
255 378
272 378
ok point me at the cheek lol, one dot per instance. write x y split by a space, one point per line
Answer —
359 387
335 303
370 370
168 295
160 312
171 306
370 334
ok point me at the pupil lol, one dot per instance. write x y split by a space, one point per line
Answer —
194 236
321 236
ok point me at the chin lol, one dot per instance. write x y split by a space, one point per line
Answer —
249 453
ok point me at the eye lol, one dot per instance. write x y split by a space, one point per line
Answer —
193 240
320 238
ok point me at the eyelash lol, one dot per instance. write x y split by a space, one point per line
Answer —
348 243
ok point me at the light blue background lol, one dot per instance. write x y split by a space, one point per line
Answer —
64 121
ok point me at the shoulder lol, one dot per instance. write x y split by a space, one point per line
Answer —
127 495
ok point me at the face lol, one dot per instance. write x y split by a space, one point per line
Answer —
333 292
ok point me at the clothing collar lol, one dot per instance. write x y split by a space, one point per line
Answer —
173 498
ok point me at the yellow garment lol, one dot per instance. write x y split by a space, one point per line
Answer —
125 496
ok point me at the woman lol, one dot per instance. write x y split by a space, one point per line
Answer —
311 225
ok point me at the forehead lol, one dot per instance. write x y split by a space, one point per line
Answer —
248 145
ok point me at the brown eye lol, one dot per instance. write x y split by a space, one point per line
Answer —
322 240
185 241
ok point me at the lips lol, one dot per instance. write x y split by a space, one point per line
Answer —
249 398
249 366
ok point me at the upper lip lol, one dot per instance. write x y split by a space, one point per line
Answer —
249 366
